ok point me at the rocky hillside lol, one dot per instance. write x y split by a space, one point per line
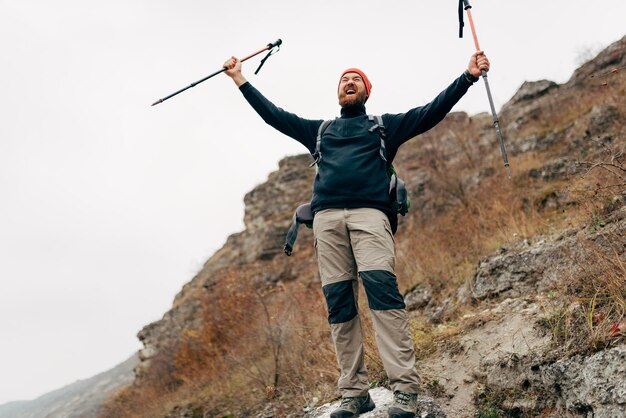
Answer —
516 288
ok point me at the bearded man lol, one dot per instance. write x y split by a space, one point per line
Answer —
352 228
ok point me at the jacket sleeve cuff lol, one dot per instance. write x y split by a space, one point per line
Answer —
245 87
469 77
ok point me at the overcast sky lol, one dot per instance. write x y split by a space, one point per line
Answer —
108 206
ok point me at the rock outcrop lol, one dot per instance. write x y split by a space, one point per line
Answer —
588 386
527 269
268 215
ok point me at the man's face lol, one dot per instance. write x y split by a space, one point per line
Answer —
351 90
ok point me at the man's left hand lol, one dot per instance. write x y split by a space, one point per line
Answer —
478 63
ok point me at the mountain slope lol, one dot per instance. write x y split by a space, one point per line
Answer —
516 288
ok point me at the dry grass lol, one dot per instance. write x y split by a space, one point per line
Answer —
253 348
587 312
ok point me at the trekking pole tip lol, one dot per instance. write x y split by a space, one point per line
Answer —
157 102
508 171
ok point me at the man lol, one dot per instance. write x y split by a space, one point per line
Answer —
353 235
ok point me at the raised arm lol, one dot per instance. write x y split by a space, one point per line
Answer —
404 126
290 124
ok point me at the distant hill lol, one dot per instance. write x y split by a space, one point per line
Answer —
81 399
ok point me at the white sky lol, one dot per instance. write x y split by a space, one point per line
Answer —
108 206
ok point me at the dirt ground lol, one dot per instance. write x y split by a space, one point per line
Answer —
502 331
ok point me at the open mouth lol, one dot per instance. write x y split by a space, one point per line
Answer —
350 92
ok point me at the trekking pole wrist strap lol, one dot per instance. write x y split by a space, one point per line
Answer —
469 77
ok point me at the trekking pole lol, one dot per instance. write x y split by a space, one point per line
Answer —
464 4
271 47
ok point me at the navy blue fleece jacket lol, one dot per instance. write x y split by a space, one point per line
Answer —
351 172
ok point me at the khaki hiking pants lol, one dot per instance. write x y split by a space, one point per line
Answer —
351 241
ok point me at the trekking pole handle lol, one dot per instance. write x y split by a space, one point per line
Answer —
274 44
269 46
471 22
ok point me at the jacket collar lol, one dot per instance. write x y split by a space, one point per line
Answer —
352 111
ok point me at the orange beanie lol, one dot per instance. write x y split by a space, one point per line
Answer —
368 85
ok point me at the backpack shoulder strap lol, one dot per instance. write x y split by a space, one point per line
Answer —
376 119
380 127
317 155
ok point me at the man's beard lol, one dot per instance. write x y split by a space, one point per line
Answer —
352 100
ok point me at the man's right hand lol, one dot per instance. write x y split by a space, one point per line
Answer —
233 70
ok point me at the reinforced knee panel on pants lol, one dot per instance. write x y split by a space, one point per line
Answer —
382 291
340 301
